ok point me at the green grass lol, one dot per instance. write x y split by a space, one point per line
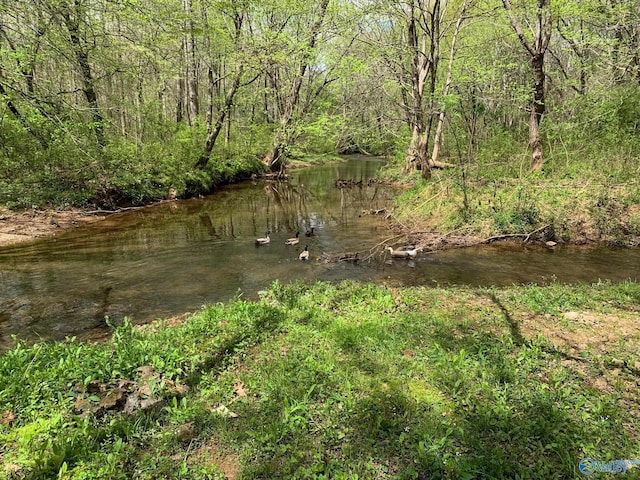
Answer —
571 211
587 191
335 381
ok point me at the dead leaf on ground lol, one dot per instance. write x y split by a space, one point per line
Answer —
146 372
408 353
7 417
12 469
239 389
225 412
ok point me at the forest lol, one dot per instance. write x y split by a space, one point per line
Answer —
496 119
122 102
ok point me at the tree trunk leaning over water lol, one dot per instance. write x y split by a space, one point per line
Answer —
238 16
213 130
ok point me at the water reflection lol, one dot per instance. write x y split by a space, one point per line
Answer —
175 257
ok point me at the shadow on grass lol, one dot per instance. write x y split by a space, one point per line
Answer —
477 417
423 394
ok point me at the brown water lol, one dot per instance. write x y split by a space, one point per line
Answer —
173 258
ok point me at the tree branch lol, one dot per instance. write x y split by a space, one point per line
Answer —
517 28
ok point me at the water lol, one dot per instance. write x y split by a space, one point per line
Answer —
175 257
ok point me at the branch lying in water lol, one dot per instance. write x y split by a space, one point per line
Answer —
526 236
123 209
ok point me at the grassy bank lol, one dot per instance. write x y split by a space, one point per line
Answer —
123 173
338 381
580 196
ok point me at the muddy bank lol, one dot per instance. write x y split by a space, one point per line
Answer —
580 232
17 227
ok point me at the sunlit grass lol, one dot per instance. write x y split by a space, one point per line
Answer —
584 193
338 381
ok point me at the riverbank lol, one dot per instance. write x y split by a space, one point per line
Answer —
338 381
17 227
22 225
488 204
450 211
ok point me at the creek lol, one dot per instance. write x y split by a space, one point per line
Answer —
174 257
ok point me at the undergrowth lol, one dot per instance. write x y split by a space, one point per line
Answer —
572 200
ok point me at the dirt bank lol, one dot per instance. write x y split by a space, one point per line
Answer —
16 227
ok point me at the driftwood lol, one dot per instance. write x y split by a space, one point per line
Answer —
341 257
277 176
349 257
441 165
379 181
357 257
429 241
119 210
101 211
425 242
524 236
346 183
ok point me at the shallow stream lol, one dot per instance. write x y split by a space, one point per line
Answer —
174 257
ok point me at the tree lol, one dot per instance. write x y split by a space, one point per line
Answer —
22 32
445 89
191 66
423 44
536 49
285 134
75 18
412 54
214 127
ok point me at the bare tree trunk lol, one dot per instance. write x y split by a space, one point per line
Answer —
536 53
416 151
423 36
227 128
437 139
180 101
283 139
88 83
265 102
191 72
139 108
211 95
214 130
434 58
537 111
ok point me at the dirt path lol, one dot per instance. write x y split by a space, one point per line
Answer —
24 226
